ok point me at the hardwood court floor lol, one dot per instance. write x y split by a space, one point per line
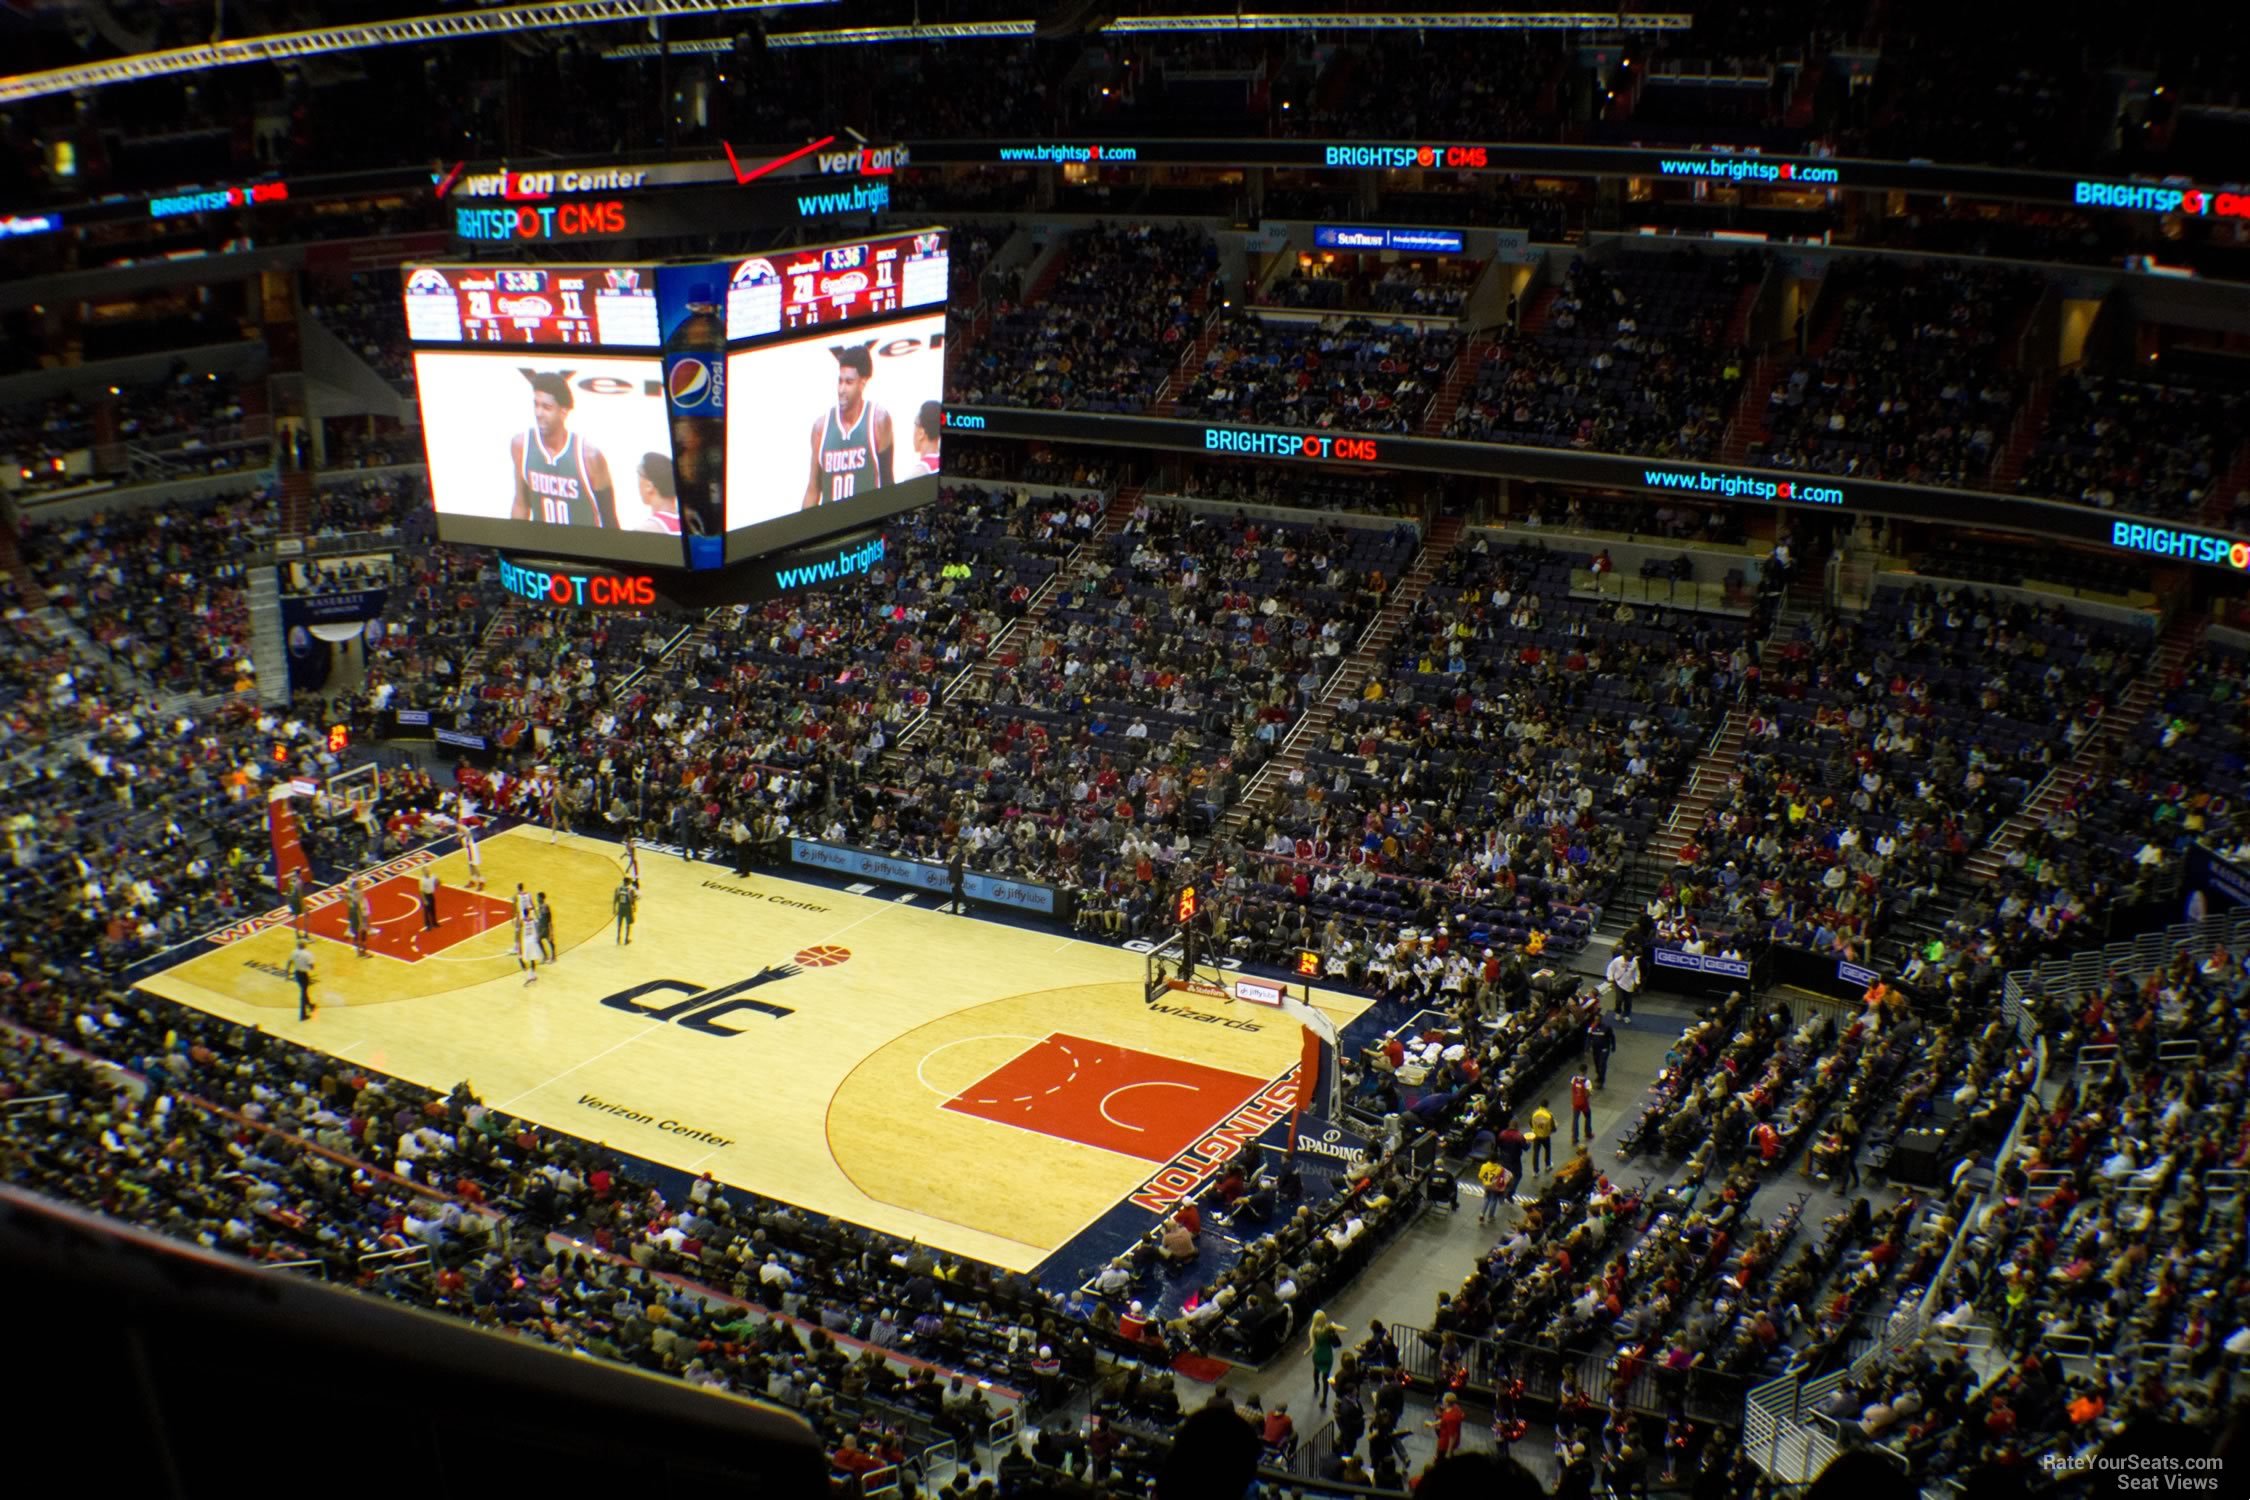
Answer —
983 1088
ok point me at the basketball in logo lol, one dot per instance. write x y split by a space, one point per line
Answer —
823 955
689 383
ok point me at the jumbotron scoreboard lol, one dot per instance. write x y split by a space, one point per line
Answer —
586 306
764 412
836 284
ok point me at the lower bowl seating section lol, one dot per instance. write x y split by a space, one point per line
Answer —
2184 773
1156 681
161 589
793 696
1517 743
1878 754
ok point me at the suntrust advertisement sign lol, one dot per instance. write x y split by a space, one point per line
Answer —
1388 237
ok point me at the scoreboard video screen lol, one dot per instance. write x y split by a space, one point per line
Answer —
829 284
689 415
537 306
566 453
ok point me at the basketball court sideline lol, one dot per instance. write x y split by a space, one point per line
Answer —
987 1089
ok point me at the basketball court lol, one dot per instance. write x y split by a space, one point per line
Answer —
983 1088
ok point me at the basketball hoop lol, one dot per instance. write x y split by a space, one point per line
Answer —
353 793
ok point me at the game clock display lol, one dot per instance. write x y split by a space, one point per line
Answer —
812 288
537 306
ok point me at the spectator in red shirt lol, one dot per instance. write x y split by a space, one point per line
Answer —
853 1459
1448 1425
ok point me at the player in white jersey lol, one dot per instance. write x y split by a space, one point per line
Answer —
475 857
527 933
852 442
929 436
660 494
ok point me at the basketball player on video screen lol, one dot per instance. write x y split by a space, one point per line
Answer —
851 445
561 478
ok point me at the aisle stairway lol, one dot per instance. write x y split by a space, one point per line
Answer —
12 562
1721 758
2218 505
1191 361
1746 424
506 624
1366 660
1458 379
1542 305
2031 421
296 503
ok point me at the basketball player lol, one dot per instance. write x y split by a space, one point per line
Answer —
851 445
660 494
561 478
297 899
527 933
626 902
929 432
475 857
545 918
632 861
355 916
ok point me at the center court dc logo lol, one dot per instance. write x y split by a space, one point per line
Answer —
703 1008
693 382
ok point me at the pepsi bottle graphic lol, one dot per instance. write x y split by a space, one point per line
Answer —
695 392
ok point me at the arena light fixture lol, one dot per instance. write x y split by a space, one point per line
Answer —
1483 20
283 46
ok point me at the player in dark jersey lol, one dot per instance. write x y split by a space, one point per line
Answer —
561 478
851 444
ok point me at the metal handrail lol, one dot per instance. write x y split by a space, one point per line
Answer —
404 1259
1002 1432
